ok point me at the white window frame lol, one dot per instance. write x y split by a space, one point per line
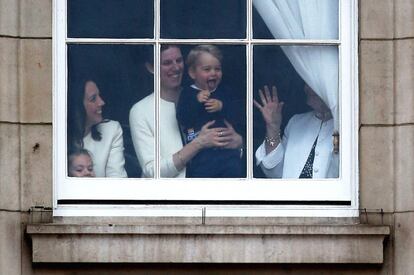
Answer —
268 192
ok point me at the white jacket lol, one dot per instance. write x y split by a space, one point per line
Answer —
289 157
107 153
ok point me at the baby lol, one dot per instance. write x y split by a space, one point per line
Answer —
80 164
206 101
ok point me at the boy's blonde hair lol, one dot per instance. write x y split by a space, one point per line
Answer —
196 51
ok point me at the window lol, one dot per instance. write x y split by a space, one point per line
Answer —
102 64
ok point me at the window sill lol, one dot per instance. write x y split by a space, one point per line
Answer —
68 243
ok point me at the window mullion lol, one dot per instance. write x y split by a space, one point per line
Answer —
157 83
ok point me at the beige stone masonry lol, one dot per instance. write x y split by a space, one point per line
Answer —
9 90
10 243
36 80
404 168
9 166
376 82
376 19
404 243
404 18
376 168
207 244
36 166
404 81
9 17
36 18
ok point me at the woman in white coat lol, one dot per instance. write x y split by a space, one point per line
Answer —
88 130
306 149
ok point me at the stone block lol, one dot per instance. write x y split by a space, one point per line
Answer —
9 17
207 244
376 168
404 81
36 18
376 19
404 172
36 166
376 82
10 240
9 166
9 91
404 18
36 80
404 243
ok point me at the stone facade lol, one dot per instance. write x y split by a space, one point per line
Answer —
386 63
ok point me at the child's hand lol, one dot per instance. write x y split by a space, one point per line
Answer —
213 105
203 96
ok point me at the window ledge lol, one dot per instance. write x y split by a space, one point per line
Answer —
66 243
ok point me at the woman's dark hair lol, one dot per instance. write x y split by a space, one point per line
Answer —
77 114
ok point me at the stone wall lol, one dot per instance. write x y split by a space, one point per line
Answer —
386 139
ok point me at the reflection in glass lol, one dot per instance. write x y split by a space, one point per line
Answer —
214 90
294 122
203 19
110 18
295 19
104 81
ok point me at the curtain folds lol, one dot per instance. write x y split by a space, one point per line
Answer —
308 19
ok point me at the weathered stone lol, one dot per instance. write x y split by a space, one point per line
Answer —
36 18
404 18
404 243
376 168
9 93
376 82
9 17
376 19
9 166
36 166
213 244
36 80
404 172
404 81
10 240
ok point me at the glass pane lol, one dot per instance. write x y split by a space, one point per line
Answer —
294 139
110 18
104 82
203 19
209 91
295 19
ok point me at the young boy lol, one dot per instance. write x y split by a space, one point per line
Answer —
206 101
80 164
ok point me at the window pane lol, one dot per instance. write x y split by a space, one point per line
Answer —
295 19
213 89
104 82
110 18
203 19
306 78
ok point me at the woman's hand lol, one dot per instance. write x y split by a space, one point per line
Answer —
270 108
224 137
210 137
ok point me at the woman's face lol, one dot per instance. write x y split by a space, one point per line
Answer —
81 166
314 101
93 104
172 67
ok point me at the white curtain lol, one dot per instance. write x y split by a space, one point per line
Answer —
308 19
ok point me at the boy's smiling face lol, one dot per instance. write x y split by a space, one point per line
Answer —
207 72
